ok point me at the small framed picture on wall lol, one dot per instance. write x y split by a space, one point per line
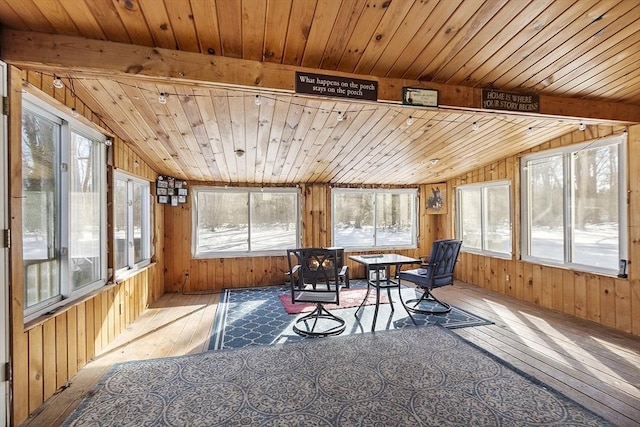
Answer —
437 198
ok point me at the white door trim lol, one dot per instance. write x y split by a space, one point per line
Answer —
4 256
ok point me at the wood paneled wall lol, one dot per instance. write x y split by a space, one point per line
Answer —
45 354
57 348
184 273
603 299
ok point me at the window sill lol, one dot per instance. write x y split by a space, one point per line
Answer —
257 254
578 268
67 304
487 253
378 249
127 274
64 306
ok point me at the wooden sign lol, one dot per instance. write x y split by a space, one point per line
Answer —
342 87
510 101
419 97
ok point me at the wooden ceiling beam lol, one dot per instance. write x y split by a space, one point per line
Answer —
68 55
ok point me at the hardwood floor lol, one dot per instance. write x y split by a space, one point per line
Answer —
594 365
175 325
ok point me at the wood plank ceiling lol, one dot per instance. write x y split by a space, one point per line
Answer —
574 49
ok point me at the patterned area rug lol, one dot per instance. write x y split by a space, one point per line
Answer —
420 376
348 298
255 316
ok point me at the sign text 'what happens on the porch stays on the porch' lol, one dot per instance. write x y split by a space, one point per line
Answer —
342 87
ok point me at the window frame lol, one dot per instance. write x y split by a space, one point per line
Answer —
482 186
375 191
566 153
69 125
147 231
196 190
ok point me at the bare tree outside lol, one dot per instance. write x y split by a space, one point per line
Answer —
246 221
579 211
372 218
40 137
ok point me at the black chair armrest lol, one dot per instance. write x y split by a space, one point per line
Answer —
343 274
293 276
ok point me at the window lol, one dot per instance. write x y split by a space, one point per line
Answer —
241 221
374 218
63 205
484 218
573 209
131 223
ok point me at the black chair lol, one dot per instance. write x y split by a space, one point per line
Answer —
435 271
314 278
343 270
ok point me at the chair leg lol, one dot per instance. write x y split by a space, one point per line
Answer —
314 317
428 297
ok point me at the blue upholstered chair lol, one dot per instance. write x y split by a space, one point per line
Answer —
435 271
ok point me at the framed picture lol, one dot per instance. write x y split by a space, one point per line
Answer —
171 191
163 199
174 200
419 96
161 183
182 191
437 198
178 184
182 199
161 191
171 182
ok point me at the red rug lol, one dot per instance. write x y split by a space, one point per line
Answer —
348 298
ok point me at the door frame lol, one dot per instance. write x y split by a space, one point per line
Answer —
5 390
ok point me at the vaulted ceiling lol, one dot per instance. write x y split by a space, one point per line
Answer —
211 58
